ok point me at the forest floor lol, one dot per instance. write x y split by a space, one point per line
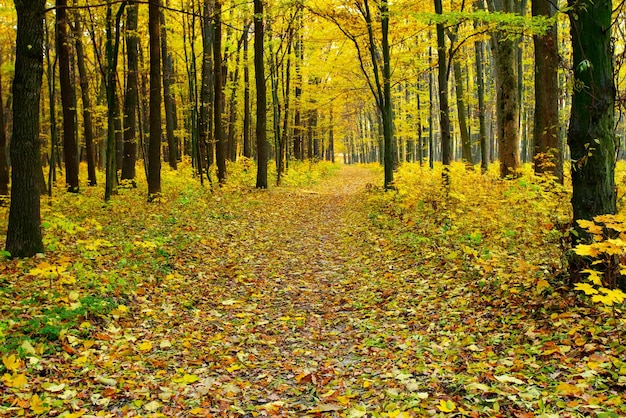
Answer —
332 299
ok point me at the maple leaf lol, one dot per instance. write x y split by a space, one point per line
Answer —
446 406
586 287
12 363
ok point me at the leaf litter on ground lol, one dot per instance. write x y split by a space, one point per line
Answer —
326 297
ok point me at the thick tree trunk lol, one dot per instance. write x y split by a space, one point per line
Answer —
548 151
261 98
591 135
507 103
387 107
218 87
154 146
70 147
24 234
131 98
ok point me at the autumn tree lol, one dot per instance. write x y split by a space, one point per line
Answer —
70 146
154 145
24 234
4 166
507 99
261 98
131 96
591 135
548 151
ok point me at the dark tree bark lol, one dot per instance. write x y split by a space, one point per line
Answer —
507 103
131 97
298 132
112 48
24 234
154 146
442 78
4 162
261 98
70 147
480 91
548 151
218 89
591 135
205 133
87 108
466 143
247 146
168 99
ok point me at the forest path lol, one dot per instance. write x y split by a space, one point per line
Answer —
281 308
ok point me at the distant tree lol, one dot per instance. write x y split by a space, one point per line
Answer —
70 146
87 109
24 234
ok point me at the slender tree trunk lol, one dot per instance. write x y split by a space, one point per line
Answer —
548 151
444 108
232 112
466 143
112 47
387 108
154 146
87 108
220 146
431 112
298 132
247 146
131 98
4 162
168 99
54 136
206 89
70 147
480 91
591 135
24 234
261 98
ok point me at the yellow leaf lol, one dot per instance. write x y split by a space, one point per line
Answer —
234 367
11 362
198 411
37 405
587 288
542 285
15 380
145 346
586 250
446 406
594 276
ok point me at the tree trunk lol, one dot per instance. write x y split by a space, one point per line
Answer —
261 97
591 135
507 96
154 146
218 89
4 161
387 107
87 108
548 151
205 151
247 148
168 99
24 234
70 147
444 108
131 98
480 91
466 143
112 47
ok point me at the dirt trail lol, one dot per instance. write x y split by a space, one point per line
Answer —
280 311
